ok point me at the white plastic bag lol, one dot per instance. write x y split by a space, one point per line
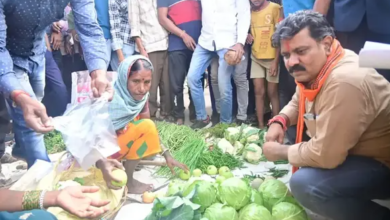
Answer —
87 131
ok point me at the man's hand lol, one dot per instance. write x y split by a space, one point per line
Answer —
275 133
249 39
274 151
239 48
56 40
172 163
107 166
144 53
34 113
56 27
100 84
189 41
274 68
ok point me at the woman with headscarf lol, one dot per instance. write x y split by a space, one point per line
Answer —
137 135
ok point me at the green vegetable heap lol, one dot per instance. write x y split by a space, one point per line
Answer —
233 199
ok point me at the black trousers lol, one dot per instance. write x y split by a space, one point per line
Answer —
4 124
179 64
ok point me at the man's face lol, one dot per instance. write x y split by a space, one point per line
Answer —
304 57
257 3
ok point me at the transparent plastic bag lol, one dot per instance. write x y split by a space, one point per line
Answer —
87 131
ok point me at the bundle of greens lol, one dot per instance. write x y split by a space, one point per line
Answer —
174 136
54 142
217 131
188 154
218 159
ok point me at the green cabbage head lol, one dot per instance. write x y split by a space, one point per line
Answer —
205 193
273 192
254 212
218 211
288 211
235 192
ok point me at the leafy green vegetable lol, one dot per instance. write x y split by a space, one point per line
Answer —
277 173
218 159
235 192
219 211
256 197
54 142
174 208
79 180
288 211
254 212
273 192
218 131
204 193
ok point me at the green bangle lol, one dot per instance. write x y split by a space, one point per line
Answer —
31 200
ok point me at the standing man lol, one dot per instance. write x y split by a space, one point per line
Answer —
122 43
225 26
183 20
151 41
22 61
358 21
101 7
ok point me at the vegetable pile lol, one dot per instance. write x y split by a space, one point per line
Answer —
229 199
221 145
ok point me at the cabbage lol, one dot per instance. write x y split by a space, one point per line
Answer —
220 212
252 154
288 211
205 193
274 192
254 212
226 146
232 134
256 197
174 188
235 192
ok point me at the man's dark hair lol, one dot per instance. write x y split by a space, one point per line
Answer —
317 24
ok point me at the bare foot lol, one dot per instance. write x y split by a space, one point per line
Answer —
136 187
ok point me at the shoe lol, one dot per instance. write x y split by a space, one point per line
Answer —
215 118
192 116
9 137
7 158
240 122
202 124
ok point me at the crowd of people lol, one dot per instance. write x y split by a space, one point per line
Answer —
296 71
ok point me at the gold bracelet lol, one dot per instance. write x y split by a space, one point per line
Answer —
31 200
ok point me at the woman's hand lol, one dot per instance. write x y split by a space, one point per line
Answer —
172 163
107 166
75 201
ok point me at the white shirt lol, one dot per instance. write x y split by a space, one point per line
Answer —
225 23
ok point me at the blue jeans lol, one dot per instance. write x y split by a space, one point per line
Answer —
127 50
346 192
201 59
28 215
56 94
29 145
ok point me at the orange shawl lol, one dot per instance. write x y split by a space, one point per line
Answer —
337 53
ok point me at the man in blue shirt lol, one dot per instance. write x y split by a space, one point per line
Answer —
358 21
23 26
103 19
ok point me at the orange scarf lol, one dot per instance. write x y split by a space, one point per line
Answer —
337 53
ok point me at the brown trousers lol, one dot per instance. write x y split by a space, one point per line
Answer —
160 80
